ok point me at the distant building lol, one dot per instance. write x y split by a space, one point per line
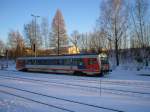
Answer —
66 50
47 52
73 50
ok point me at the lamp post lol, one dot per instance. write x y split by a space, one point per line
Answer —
7 57
34 45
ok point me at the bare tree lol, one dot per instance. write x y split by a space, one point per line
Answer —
75 39
30 30
113 20
58 35
140 37
2 48
97 41
45 31
16 43
84 42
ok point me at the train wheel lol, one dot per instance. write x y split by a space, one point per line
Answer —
101 74
78 73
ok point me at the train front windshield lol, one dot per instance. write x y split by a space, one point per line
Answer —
104 63
104 60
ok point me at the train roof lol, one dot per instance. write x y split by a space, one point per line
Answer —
64 56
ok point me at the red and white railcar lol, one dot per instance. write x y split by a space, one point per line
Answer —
89 64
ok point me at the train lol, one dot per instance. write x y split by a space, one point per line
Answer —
87 64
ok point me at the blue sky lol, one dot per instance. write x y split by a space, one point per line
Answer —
79 15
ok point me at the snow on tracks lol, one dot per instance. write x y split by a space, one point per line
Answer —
53 97
81 87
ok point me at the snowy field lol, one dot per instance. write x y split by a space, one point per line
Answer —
123 90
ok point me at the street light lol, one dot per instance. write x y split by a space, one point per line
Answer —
35 17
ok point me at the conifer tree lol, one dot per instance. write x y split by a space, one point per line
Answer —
58 35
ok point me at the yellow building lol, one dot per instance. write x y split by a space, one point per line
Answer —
73 50
65 50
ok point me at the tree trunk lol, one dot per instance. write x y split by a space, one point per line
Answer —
117 53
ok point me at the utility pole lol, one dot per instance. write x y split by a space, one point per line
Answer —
34 45
7 57
58 50
100 87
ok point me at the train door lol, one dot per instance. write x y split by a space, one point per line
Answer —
81 63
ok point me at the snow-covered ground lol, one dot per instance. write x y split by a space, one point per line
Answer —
123 90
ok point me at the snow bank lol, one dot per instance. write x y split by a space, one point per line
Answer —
130 72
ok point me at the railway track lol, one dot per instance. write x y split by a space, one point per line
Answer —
103 81
108 90
36 101
52 97
87 80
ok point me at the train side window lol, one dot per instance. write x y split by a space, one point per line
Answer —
34 62
67 61
49 62
92 61
37 62
46 62
31 62
75 61
57 62
40 62
61 62
78 61
54 62
28 62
